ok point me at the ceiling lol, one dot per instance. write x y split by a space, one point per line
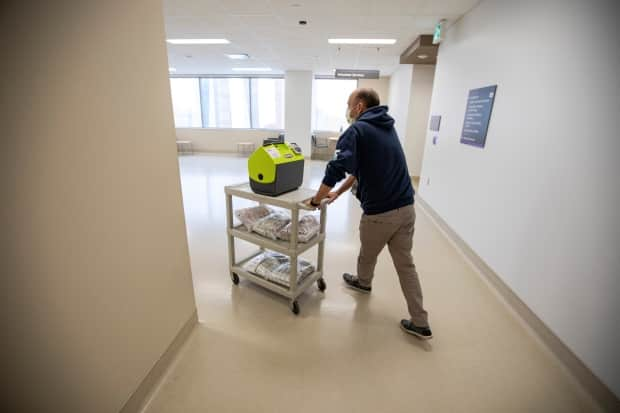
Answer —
268 30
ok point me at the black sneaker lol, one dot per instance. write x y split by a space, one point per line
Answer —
424 333
353 282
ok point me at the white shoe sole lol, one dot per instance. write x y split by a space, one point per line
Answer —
413 333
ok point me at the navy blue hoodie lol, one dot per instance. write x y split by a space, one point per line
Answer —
370 150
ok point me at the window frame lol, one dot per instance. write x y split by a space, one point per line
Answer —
249 80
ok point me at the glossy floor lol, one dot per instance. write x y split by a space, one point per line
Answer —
345 352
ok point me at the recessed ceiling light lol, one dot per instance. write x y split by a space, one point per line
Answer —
361 41
172 69
251 69
422 56
238 56
197 41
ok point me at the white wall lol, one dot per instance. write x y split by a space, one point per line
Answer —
409 103
399 97
381 86
298 109
417 119
95 265
223 140
540 204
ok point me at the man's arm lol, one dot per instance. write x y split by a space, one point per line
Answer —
325 191
346 185
346 161
322 193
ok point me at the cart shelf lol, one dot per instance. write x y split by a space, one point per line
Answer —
283 247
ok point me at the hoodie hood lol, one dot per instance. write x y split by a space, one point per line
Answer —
377 116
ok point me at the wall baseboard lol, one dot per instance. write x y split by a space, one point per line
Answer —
598 390
149 383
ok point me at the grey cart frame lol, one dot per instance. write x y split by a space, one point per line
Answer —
294 201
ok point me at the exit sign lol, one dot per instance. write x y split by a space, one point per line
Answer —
437 34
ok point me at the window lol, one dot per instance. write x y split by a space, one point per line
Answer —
267 103
186 102
225 102
210 102
330 103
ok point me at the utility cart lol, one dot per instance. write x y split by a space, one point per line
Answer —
293 201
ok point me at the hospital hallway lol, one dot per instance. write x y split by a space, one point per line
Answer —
167 246
344 352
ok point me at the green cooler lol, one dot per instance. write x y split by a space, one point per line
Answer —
276 168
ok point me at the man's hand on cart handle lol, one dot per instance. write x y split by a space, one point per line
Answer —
325 192
315 201
312 203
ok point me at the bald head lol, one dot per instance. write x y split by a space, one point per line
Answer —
360 100
366 96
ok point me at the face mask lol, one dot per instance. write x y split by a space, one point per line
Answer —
350 118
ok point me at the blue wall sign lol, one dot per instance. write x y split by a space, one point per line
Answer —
477 115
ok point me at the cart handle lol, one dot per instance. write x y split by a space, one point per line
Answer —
303 205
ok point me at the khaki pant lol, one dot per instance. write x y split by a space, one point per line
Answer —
394 228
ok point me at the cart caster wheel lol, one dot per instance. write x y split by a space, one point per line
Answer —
295 307
235 279
321 284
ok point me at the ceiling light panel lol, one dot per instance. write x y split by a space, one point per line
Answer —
239 56
198 41
251 69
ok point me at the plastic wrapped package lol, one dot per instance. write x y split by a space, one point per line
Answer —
249 216
281 274
306 230
270 225
252 264
276 267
